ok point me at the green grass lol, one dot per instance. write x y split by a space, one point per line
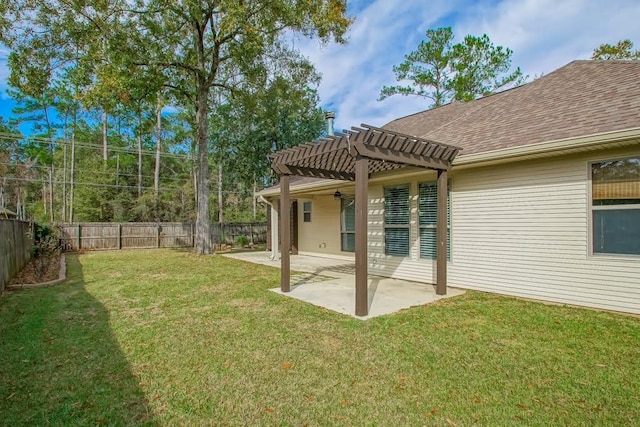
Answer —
168 338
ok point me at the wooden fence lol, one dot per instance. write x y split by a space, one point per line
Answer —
139 235
97 236
16 241
255 232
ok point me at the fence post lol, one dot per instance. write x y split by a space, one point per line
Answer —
119 236
79 239
158 236
193 235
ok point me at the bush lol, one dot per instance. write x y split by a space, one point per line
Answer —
45 246
242 241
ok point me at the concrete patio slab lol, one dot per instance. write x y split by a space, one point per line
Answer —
330 283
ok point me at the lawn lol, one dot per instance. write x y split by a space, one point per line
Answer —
164 337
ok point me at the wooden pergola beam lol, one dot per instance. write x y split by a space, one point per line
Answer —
398 157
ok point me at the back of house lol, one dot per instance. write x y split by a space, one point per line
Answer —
544 198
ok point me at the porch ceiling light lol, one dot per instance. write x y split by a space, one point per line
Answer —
337 195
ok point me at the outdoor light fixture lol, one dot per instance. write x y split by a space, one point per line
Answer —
337 195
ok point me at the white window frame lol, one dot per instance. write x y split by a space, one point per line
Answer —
591 208
406 226
435 225
343 222
306 211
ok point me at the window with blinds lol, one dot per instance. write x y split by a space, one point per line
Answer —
396 220
428 220
347 224
615 206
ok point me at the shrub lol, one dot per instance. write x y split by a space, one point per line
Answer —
45 246
242 241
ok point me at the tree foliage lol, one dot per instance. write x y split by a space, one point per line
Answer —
621 50
224 64
441 71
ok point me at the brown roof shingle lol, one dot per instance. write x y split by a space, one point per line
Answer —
581 98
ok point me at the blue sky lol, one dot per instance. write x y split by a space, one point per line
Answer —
544 35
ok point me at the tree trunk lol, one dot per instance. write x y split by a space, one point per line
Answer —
104 136
64 179
49 131
220 197
117 169
194 174
203 233
73 167
51 216
139 153
255 201
156 174
44 196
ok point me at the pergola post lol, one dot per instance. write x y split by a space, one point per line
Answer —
275 232
441 234
285 229
362 185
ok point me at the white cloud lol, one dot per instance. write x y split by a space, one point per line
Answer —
544 35
353 74
547 34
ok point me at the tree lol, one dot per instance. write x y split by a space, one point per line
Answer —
427 68
205 45
117 57
278 114
31 82
621 50
442 71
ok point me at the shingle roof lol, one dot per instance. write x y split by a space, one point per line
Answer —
581 98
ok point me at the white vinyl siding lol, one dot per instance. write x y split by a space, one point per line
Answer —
521 229
322 235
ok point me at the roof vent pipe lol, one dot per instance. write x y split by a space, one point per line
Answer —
329 116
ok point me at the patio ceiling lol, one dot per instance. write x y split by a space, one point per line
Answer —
334 156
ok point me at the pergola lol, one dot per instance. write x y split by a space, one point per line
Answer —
354 155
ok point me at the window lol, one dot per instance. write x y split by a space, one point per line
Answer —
428 220
347 224
616 206
306 211
396 221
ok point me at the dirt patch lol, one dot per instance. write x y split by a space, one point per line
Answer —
38 271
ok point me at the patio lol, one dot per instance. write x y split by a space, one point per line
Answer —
330 283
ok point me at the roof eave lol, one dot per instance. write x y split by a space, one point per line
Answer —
502 155
548 147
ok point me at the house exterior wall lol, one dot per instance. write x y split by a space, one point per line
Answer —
322 234
520 229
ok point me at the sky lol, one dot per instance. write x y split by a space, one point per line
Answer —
543 34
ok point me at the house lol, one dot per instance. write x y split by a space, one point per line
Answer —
543 192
